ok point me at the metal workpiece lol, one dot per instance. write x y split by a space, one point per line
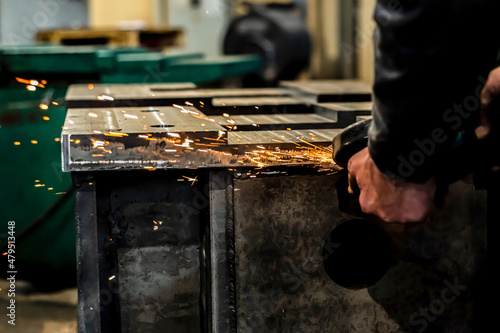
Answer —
328 91
123 95
184 137
344 114
260 105
281 229
259 122
243 251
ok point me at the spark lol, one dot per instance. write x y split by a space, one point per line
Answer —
225 115
43 106
92 114
112 277
189 104
31 82
17 143
175 135
115 134
55 103
43 82
50 188
31 88
130 116
39 185
45 118
34 142
90 86
98 143
57 139
105 98
171 150
193 180
4 254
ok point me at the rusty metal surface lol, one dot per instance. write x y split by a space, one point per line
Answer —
280 226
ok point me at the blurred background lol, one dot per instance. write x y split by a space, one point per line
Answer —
46 45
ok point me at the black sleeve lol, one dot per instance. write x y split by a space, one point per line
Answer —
432 58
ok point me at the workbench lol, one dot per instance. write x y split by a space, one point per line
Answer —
215 214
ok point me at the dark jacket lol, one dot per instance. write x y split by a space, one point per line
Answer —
432 57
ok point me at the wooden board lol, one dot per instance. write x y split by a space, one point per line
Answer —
151 37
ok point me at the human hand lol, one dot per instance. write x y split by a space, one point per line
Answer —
490 93
393 201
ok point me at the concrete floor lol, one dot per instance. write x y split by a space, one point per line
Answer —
39 312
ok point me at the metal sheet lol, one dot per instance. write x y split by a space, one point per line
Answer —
256 101
324 91
359 107
138 121
277 138
344 114
280 226
169 137
275 122
265 119
81 96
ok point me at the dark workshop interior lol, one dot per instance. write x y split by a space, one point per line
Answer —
248 166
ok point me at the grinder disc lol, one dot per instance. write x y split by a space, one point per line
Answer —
350 141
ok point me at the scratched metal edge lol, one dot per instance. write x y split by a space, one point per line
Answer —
222 272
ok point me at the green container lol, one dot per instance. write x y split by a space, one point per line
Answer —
33 189
184 69
61 59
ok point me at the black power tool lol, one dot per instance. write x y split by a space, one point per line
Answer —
363 249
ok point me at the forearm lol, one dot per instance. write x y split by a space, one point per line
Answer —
429 58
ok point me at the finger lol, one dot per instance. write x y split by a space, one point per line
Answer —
353 184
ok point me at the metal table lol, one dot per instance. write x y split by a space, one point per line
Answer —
186 223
